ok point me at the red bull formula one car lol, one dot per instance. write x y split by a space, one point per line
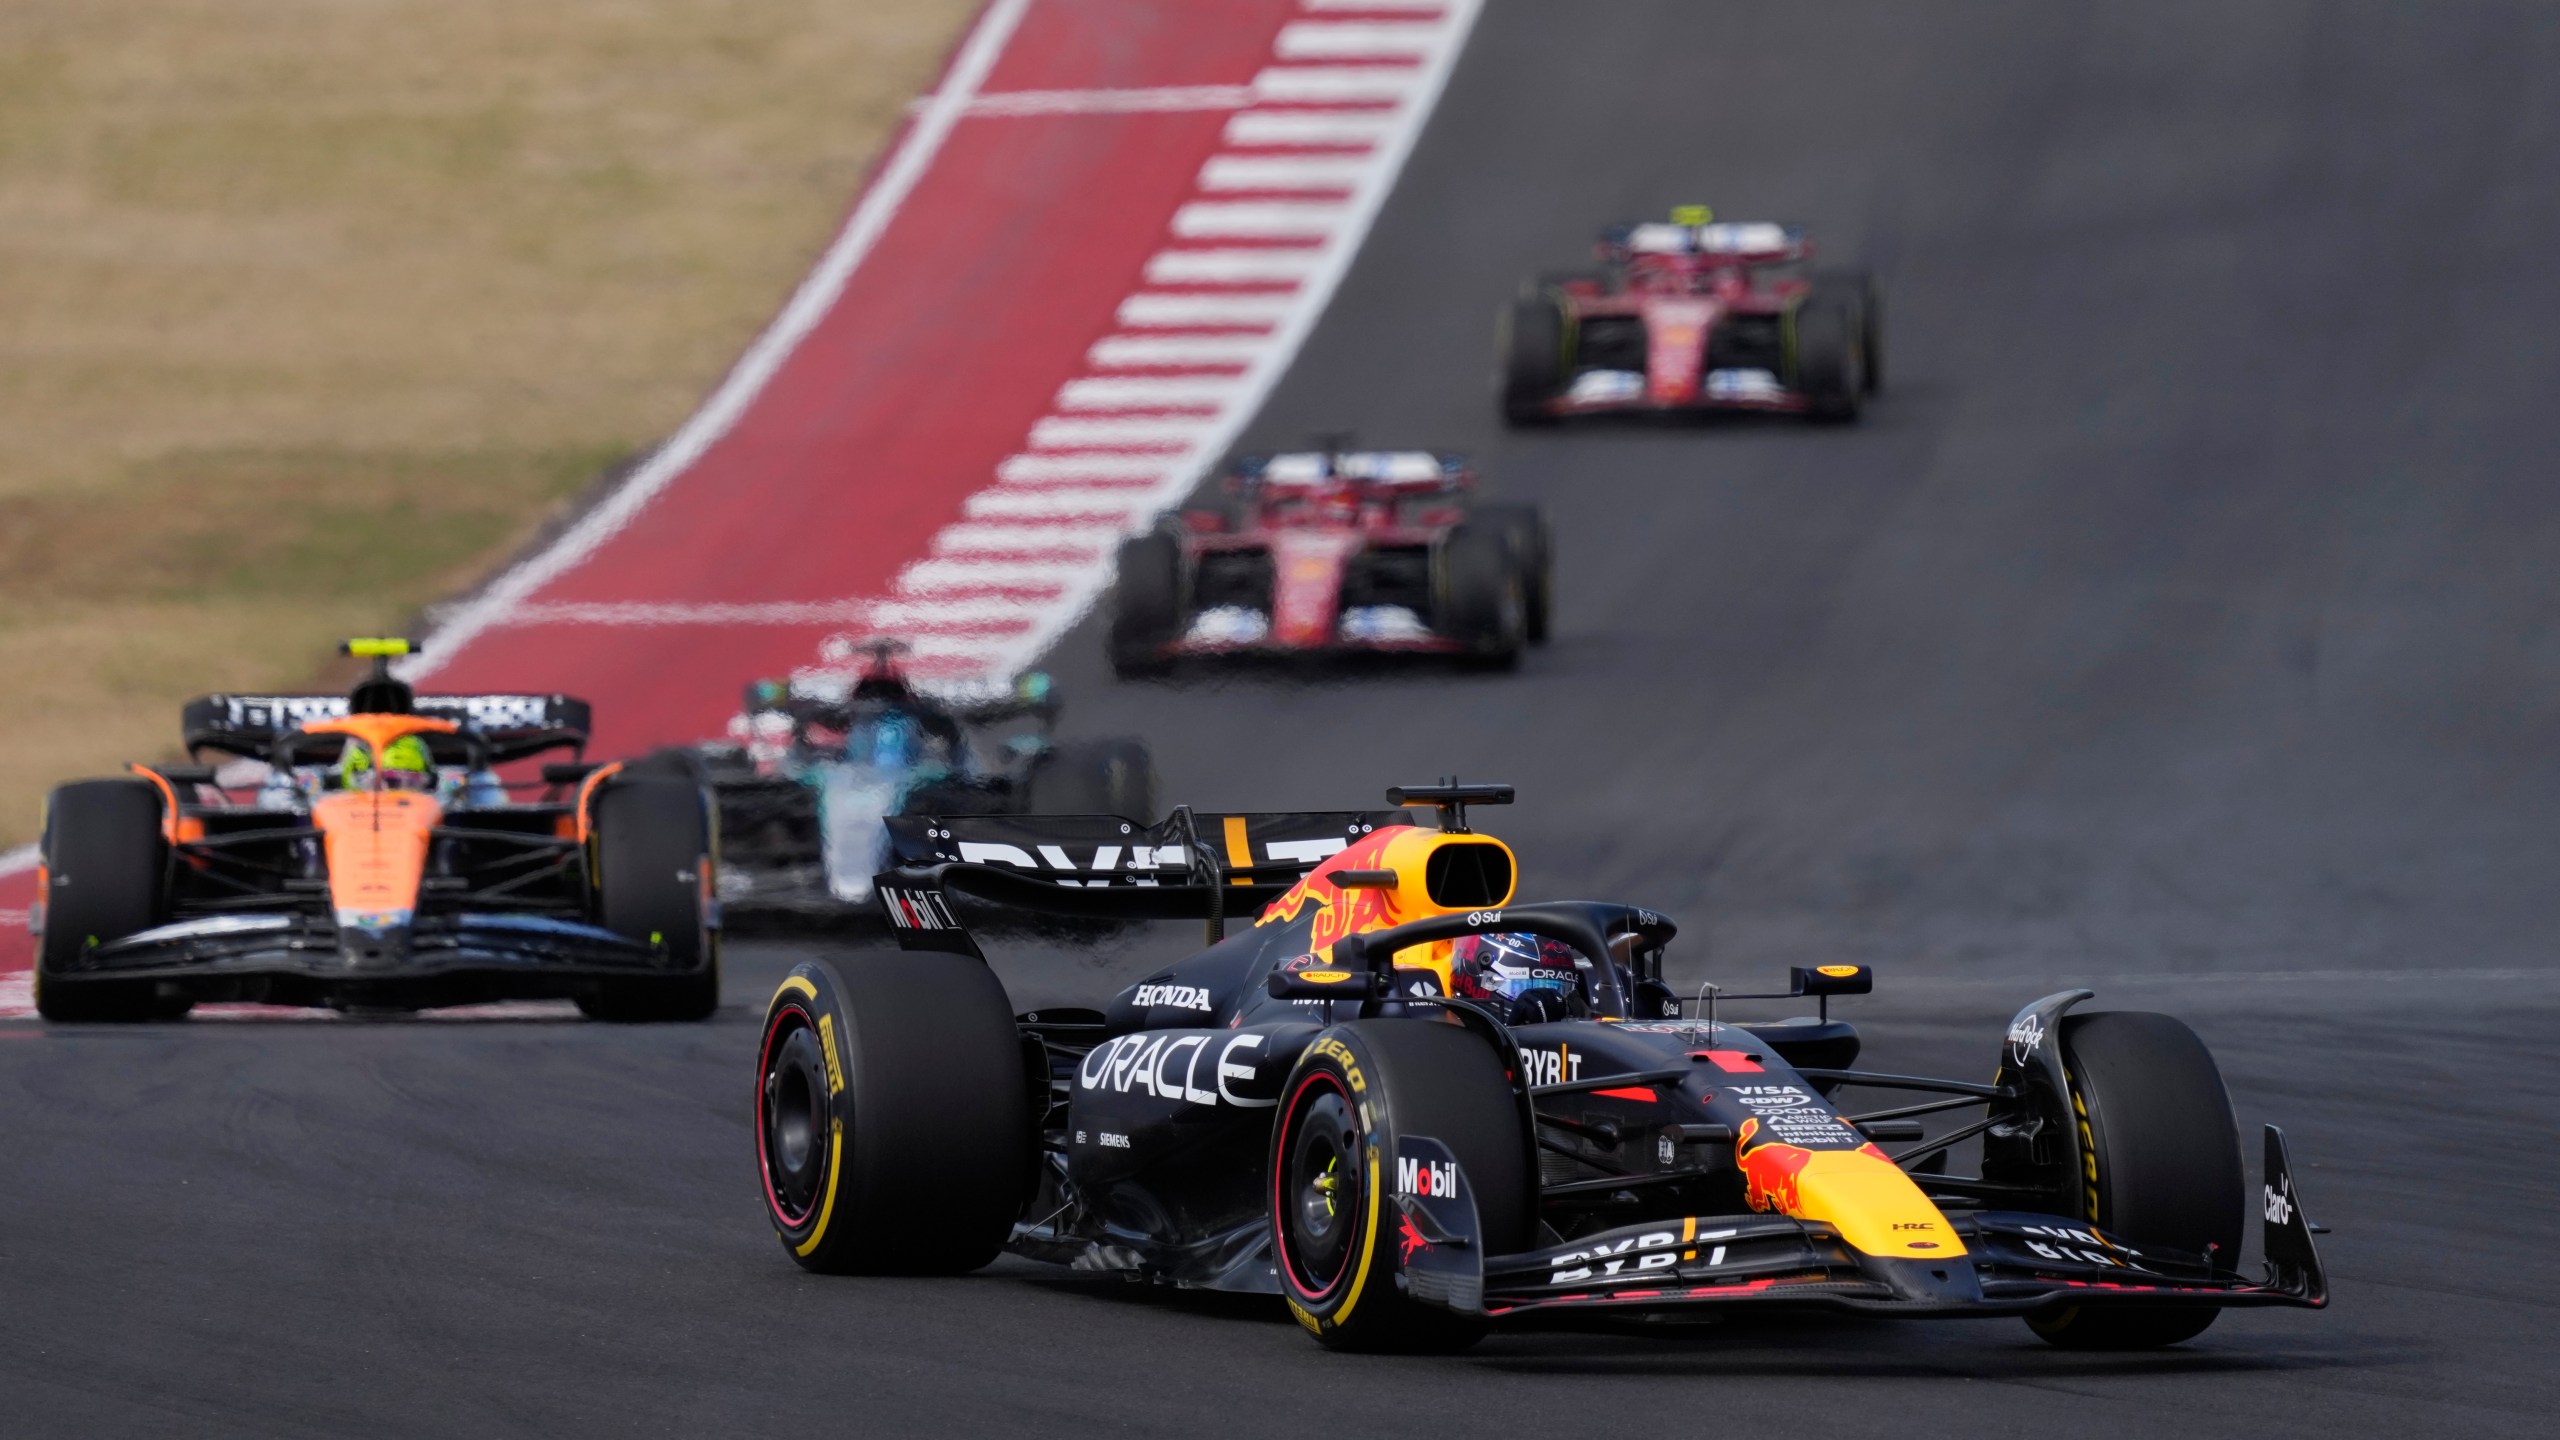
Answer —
1332 553
1689 315
1413 1108
374 859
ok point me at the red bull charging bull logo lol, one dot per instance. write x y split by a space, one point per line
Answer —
1340 912
1769 1170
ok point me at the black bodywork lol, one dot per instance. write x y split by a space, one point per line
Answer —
1160 1107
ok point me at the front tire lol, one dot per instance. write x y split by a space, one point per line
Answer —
1146 605
1830 350
893 1116
2155 1117
1480 604
105 877
1532 343
1533 550
653 854
1357 1089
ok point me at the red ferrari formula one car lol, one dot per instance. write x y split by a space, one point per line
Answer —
1332 552
1688 316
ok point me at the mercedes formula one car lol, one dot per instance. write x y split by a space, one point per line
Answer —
1330 553
1412 1107
815 764
1691 316
378 862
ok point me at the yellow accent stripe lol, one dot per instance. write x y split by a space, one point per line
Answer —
835 1162
1688 1229
799 983
1368 1244
1239 851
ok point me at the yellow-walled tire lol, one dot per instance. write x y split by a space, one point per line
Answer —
894 1132
1333 1228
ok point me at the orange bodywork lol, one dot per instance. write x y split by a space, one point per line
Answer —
376 841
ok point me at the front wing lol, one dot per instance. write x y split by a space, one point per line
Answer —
301 959
2013 1263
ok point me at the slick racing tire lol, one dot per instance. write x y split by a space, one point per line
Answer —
894 1128
1533 549
653 854
1829 328
105 877
1146 605
1861 286
1532 344
1336 1226
1479 592
1096 777
2155 1117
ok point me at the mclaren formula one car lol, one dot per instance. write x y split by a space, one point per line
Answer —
1331 553
1412 1107
1692 316
815 764
378 862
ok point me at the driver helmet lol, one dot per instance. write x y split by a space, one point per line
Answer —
405 765
1506 969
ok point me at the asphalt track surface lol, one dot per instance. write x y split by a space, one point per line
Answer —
2181 625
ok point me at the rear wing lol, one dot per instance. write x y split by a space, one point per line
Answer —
509 727
1192 866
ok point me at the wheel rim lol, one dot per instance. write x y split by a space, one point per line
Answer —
792 1118
1321 1199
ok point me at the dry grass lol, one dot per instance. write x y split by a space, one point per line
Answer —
309 310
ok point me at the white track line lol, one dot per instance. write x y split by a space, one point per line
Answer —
1169 310
1031 537
1253 266
1309 127
14 861
1130 352
1357 40
1052 596
763 359
1143 467
1259 219
1061 433
1012 503
1333 84
1379 6
1283 172
1184 393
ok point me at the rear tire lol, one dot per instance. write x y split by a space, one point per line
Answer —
1533 550
1478 592
1830 351
1532 343
105 873
654 856
893 1116
1096 777
1146 605
1332 1235
2158 1122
